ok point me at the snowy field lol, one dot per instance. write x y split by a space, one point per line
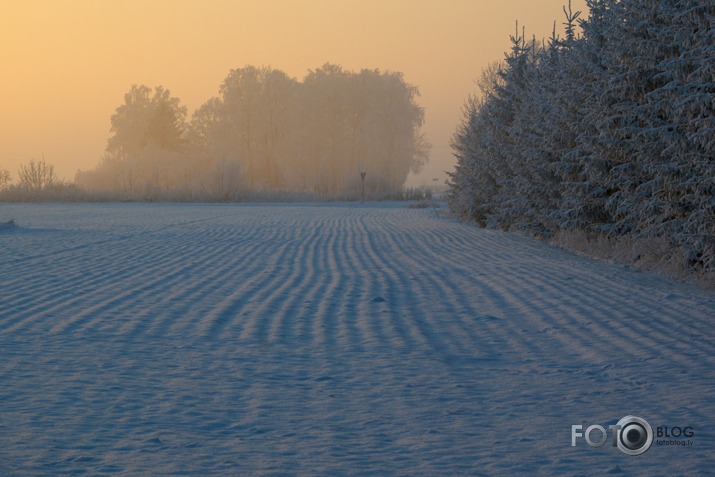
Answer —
348 339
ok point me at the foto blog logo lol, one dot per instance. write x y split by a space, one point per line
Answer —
633 435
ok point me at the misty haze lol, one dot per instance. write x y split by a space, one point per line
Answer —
266 131
461 246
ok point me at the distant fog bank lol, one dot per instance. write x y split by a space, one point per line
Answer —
266 132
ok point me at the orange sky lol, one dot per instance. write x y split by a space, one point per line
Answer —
67 64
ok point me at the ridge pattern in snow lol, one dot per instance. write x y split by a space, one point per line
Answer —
330 340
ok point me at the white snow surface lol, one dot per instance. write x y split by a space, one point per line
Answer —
332 339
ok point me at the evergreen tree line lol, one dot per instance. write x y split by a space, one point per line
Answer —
266 131
609 132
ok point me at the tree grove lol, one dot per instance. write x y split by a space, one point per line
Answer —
267 131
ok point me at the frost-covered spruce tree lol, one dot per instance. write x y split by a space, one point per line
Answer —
470 186
510 142
648 139
544 130
492 179
524 198
566 78
476 183
681 109
638 127
507 162
611 132
581 77
585 168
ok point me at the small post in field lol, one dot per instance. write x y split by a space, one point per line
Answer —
362 177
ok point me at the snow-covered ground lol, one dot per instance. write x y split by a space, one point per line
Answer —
348 339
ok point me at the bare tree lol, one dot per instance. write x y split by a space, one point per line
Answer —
4 178
36 176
